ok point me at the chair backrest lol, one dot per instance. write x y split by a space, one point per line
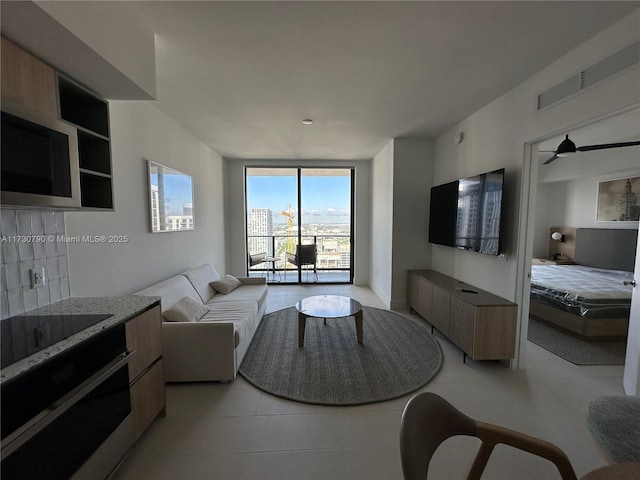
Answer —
427 421
306 254
257 258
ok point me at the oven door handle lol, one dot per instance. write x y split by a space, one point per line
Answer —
31 428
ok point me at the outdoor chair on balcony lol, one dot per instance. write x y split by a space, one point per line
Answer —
257 258
306 255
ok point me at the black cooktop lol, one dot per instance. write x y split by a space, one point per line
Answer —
24 335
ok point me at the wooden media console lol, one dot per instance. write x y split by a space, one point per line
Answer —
481 324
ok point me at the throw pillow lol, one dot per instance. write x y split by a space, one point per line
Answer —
226 284
186 310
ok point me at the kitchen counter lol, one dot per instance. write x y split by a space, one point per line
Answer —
120 310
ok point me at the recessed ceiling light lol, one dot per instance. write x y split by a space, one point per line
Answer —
307 121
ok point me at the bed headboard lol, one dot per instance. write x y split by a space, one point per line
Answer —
610 248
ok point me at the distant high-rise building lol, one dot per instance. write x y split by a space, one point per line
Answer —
628 208
261 231
179 222
155 209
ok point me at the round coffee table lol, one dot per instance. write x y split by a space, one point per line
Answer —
328 306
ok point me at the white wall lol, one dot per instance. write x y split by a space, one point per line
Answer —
139 132
401 177
495 137
106 46
236 211
382 196
412 179
119 24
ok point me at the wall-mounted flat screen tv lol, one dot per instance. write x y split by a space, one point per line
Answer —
467 213
443 212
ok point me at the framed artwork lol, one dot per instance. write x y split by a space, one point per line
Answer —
170 199
619 200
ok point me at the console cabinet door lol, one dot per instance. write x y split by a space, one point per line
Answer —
495 332
440 309
462 326
425 300
413 284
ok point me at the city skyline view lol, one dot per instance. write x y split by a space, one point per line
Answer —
325 199
273 224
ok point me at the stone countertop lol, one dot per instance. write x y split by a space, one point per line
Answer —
121 309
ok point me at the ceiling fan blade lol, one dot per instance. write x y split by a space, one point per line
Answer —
603 146
550 160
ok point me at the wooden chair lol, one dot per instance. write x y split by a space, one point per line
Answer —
428 420
305 255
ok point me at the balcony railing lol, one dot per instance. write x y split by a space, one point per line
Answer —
333 263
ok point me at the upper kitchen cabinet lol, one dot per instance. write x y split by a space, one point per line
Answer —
90 115
28 82
35 89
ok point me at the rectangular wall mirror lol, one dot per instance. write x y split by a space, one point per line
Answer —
170 199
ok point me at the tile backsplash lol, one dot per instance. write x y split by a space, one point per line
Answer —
29 242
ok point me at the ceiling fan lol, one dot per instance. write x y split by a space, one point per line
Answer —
567 147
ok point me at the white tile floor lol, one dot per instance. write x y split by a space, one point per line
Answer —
235 431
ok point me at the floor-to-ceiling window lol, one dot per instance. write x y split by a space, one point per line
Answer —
300 224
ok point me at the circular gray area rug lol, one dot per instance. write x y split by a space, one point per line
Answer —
398 356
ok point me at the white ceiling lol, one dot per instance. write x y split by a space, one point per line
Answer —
243 75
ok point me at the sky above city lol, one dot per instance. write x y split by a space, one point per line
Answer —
178 192
324 199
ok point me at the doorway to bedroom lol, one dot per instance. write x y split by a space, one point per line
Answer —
565 208
299 224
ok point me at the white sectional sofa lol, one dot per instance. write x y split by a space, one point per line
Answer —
212 347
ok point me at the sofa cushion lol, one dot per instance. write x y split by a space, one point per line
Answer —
243 315
186 310
226 284
200 278
171 291
255 293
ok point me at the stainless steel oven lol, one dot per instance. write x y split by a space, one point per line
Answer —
70 417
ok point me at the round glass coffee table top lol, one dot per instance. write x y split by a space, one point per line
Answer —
328 306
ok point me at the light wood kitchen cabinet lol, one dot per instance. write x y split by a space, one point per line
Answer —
27 82
481 324
148 398
146 376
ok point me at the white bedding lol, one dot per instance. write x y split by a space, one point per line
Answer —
579 281
585 291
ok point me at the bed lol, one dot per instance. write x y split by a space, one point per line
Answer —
588 298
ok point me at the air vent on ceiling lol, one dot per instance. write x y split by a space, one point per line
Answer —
619 61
